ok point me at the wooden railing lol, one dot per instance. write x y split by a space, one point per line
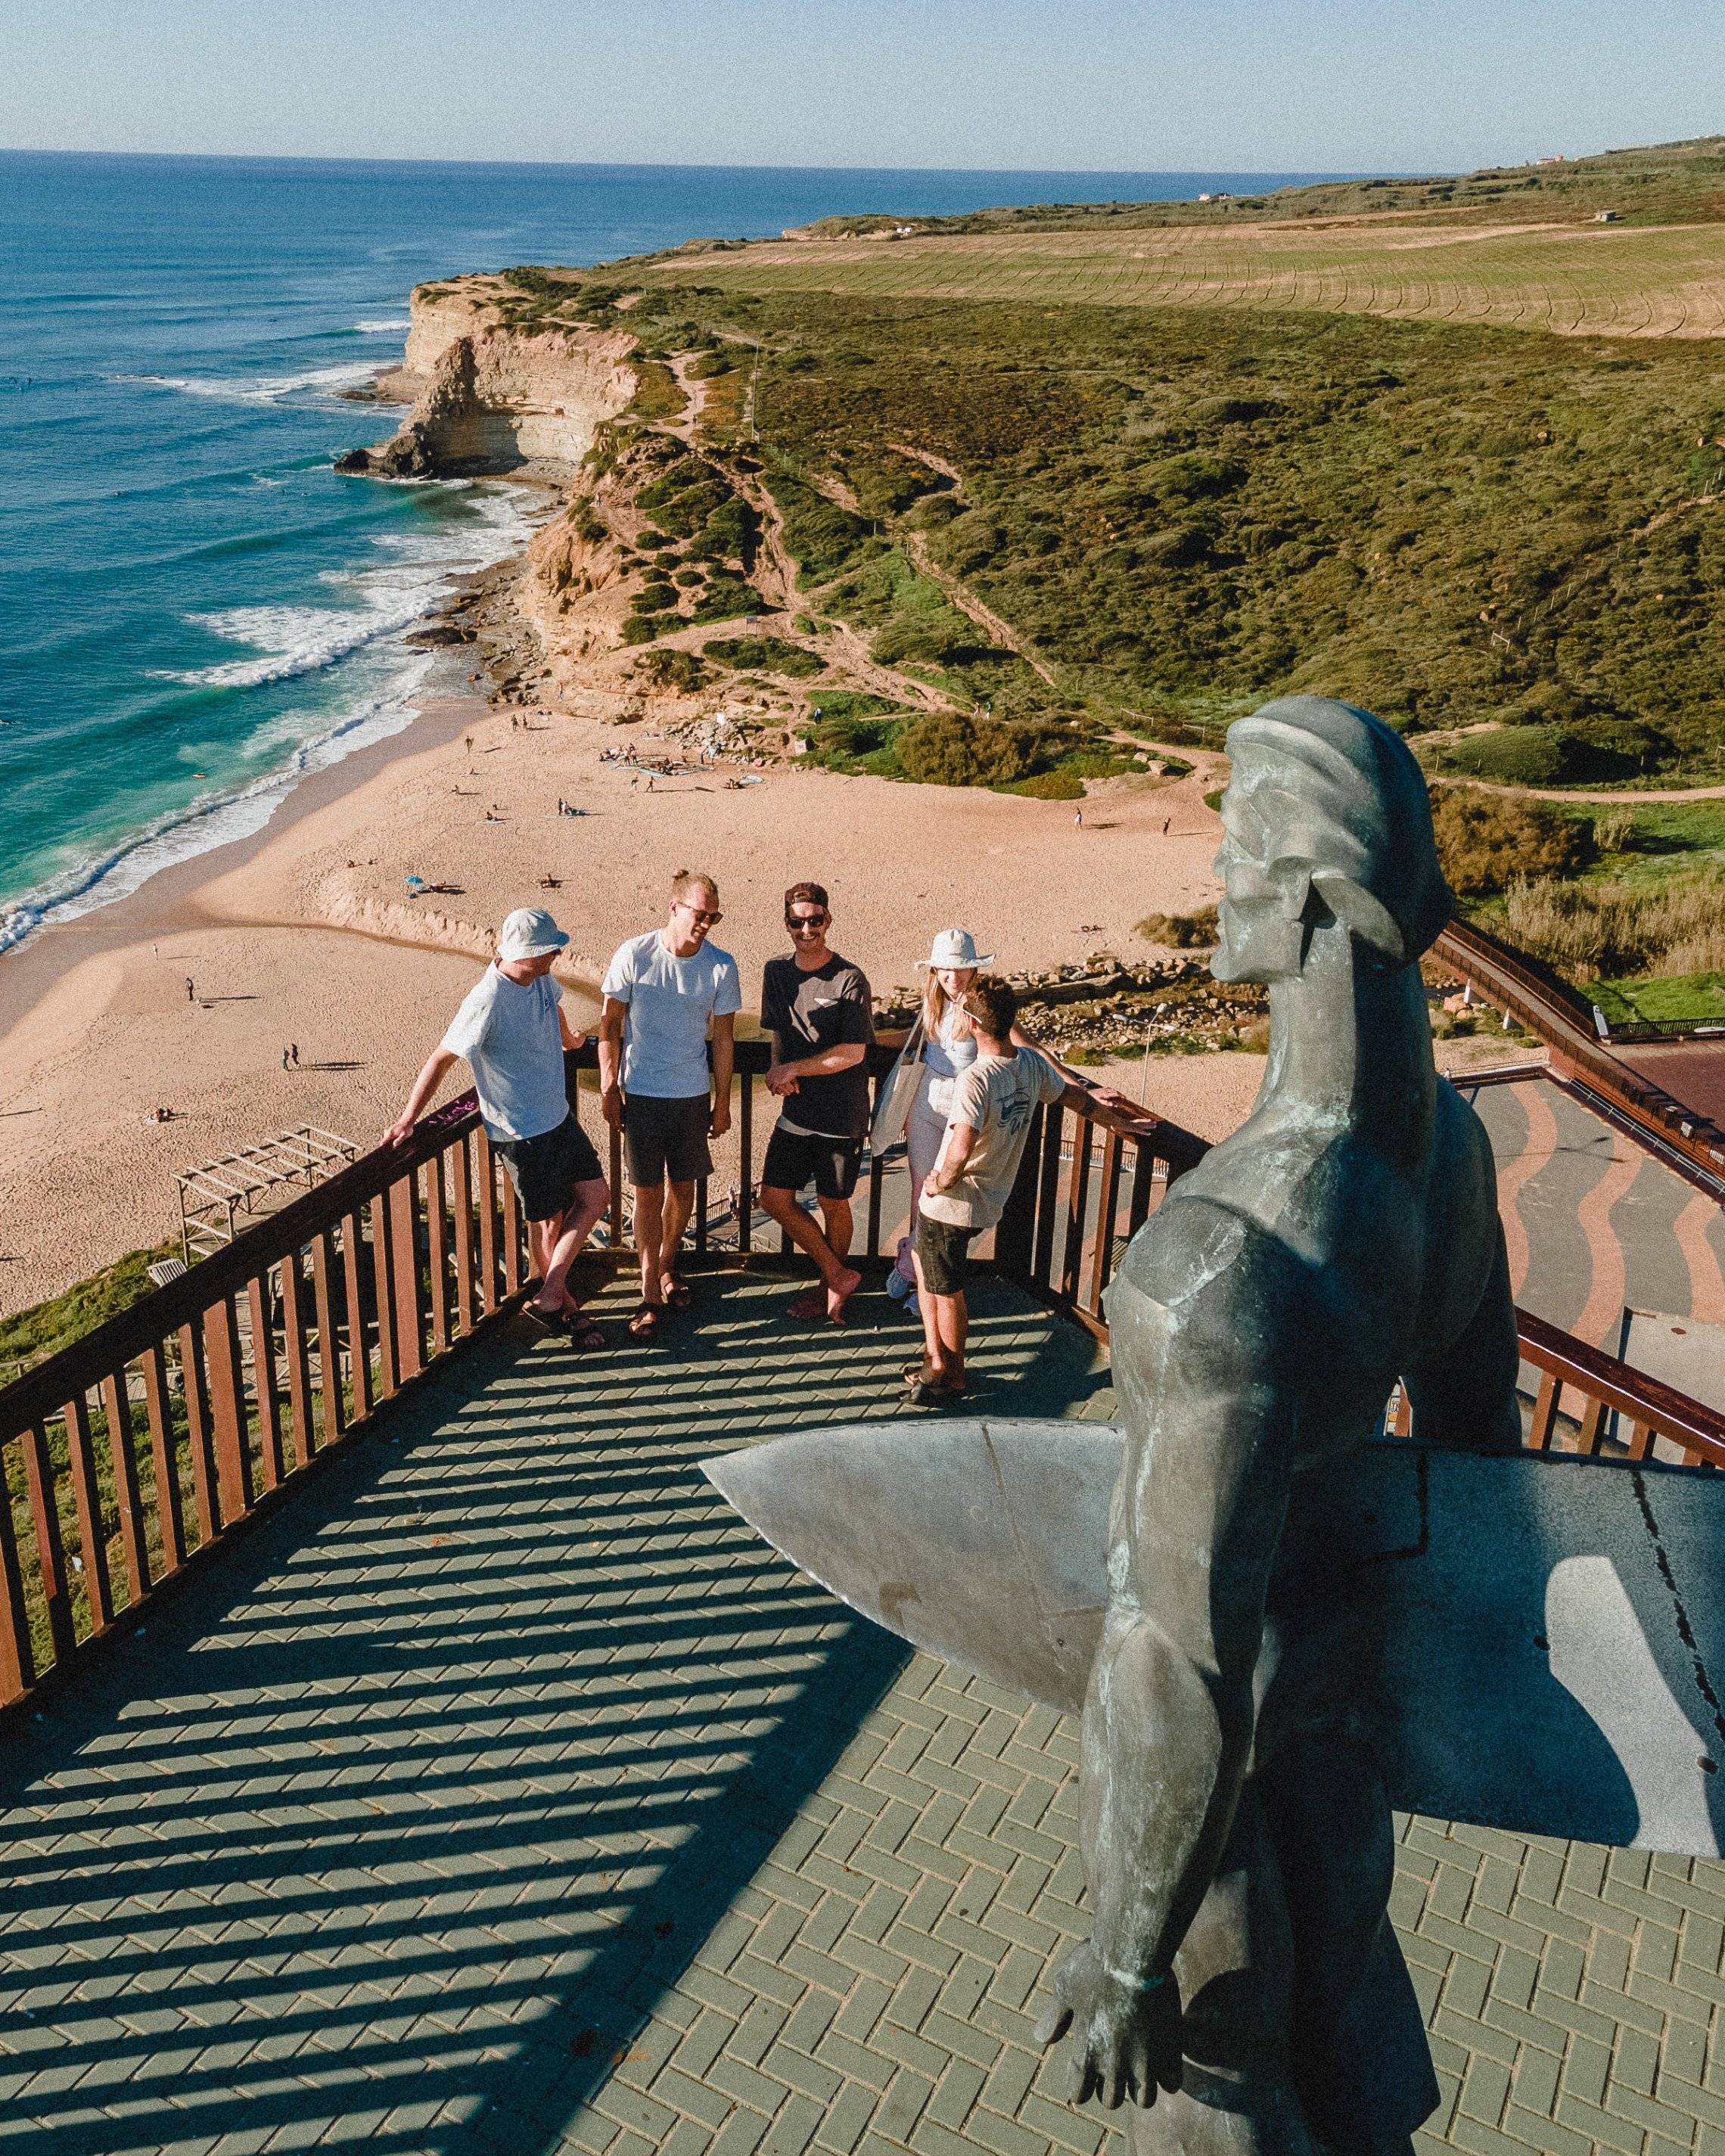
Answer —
131 1455
1550 1008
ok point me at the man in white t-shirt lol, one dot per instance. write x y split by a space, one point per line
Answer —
664 993
512 1030
995 1103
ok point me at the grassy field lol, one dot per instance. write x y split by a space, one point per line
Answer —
1575 279
1659 183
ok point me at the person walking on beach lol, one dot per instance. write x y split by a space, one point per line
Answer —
965 1192
663 992
512 1030
819 1010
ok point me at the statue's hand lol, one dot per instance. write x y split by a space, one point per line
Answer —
1126 2039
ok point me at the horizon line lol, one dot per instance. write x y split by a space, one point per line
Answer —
674 165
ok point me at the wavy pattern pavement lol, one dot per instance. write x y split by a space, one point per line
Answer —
1592 1222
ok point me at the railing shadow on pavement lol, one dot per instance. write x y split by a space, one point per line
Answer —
393 1829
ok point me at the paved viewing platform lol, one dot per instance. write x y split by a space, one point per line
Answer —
500 1792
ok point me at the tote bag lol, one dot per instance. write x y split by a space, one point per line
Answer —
892 1107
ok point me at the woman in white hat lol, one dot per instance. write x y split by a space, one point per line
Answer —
948 1047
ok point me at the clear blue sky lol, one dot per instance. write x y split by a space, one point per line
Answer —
1076 84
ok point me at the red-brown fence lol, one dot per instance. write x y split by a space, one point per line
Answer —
130 1455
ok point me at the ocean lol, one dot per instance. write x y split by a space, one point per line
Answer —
196 610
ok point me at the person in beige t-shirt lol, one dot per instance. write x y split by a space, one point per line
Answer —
994 1102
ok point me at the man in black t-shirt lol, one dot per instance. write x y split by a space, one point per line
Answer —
818 1009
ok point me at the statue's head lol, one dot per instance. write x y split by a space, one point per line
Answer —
1326 815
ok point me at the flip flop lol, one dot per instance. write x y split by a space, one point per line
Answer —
678 1296
581 1332
532 1324
932 1396
810 1307
646 1322
919 1377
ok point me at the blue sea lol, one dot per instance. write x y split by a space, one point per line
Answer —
196 609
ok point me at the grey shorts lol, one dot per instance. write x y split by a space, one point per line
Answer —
546 1169
666 1140
943 1252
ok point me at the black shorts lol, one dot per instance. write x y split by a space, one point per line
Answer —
666 1140
796 1158
546 1169
943 1252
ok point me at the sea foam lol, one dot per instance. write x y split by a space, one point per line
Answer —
382 600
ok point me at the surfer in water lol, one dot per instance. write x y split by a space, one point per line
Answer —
1242 1990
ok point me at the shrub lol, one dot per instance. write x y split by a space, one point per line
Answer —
657 395
682 670
655 598
1182 932
1515 755
1614 929
725 599
822 538
1059 785
1485 841
772 653
944 749
643 627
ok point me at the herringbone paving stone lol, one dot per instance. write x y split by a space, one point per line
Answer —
505 1794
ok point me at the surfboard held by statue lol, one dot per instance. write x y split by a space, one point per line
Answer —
1539 1641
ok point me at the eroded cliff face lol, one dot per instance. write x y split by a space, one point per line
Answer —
489 398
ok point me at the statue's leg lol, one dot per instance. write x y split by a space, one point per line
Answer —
1361 2061
1235 1972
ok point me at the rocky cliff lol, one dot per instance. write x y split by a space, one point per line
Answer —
487 398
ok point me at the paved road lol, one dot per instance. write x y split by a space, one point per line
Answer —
504 1794
1592 1222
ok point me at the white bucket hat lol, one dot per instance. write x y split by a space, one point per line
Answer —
955 947
530 932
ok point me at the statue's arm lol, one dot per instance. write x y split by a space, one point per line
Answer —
1168 1722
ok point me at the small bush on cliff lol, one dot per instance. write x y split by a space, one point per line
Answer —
821 538
680 671
1485 841
725 597
658 394
772 653
643 627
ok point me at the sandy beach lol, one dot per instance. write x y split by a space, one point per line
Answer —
307 935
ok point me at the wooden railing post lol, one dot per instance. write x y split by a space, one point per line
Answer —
301 1420
92 1529
226 1407
195 1396
409 1301
116 1408
158 1408
264 1386
50 1548
383 1268
18 1664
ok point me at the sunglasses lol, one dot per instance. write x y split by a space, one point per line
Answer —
805 924
706 916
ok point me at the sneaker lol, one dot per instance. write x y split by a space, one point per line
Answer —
898 1286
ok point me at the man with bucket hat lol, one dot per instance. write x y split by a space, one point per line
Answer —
512 1030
